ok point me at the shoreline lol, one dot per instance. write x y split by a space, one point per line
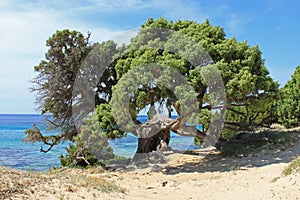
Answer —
196 174
186 176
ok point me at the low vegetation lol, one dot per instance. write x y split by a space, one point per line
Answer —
293 167
54 183
245 143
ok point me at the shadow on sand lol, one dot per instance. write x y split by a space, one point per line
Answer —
276 148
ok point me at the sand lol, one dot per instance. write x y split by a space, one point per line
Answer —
203 175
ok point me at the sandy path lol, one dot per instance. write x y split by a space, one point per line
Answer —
246 183
252 183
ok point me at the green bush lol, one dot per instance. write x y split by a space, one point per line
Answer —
91 146
289 105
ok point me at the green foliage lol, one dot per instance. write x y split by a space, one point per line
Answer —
107 124
251 92
204 118
70 160
54 85
92 147
289 103
95 138
148 72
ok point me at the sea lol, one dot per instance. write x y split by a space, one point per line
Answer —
26 156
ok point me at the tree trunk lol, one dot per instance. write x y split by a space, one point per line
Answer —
146 145
153 143
155 133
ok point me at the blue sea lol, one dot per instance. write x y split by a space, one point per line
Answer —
26 156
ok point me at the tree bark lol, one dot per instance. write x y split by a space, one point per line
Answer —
153 143
153 134
156 133
147 145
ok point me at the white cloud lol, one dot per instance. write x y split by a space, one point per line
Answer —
22 45
273 4
117 4
235 24
26 25
7 4
125 37
172 9
181 9
24 32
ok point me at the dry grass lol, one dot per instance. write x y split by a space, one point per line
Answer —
15 182
293 167
24 185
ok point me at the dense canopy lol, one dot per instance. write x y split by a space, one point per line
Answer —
289 104
168 66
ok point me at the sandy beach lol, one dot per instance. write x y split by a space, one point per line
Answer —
202 175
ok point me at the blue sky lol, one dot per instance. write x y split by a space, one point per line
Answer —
26 25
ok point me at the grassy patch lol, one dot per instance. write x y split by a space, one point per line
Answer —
88 178
98 183
293 167
116 159
111 187
56 181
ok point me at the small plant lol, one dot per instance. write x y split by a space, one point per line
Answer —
275 179
293 167
111 187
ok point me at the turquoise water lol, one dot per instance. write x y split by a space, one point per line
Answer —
15 154
25 156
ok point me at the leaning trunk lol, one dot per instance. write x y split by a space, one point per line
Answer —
153 143
155 134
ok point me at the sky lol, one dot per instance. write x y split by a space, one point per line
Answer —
25 25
